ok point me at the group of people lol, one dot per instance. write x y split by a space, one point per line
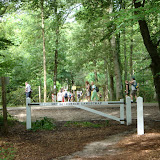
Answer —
91 90
133 92
65 96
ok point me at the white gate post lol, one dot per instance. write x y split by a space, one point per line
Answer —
140 119
128 111
122 111
28 114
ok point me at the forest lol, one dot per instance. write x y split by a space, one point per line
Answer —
57 43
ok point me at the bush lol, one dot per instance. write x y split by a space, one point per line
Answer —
16 97
44 124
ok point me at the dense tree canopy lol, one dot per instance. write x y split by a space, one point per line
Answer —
97 40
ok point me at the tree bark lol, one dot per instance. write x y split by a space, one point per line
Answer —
131 49
5 123
105 90
115 53
95 72
44 53
56 50
131 53
116 69
152 50
111 87
56 64
125 56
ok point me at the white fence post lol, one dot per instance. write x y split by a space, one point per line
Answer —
28 112
122 111
128 111
140 119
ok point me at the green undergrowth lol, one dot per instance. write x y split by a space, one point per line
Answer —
44 124
86 124
49 124
10 119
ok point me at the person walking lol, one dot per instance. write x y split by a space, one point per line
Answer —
59 96
28 90
88 90
94 92
133 89
65 95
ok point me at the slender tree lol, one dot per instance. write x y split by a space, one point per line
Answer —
44 51
5 123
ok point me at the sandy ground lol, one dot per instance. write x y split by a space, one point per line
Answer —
114 142
70 113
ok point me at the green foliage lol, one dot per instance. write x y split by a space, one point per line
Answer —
44 124
83 45
86 124
16 97
10 120
4 43
7 151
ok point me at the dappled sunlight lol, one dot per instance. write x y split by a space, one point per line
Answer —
145 142
21 117
147 114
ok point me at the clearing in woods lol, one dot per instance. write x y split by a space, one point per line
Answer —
68 142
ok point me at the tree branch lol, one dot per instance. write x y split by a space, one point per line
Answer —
151 48
143 3
70 12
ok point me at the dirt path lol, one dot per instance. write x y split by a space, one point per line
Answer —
98 149
114 142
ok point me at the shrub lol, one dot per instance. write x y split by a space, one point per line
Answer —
44 124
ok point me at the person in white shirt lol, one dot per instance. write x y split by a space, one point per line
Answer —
59 96
28 90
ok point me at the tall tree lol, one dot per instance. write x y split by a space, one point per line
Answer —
44 51
116 58
151 45
57 20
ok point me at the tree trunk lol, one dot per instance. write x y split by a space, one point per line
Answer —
152 50
95 72
56 51
131 49
125 56
116 69
105 90
131 53
115 53
44 53
111 87
5 123
125 48
55 66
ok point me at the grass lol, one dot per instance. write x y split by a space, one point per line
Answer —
86 124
